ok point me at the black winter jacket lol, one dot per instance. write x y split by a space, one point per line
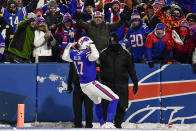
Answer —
99 33
116 66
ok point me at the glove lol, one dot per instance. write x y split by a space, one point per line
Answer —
135 88
176 38
71 34
194 68
69 89
151 64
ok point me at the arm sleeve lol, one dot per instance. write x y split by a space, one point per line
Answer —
194 56
117 25
66 53
32 5
148 46
94 53
131 70
39 39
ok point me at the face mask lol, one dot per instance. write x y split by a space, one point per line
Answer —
183 33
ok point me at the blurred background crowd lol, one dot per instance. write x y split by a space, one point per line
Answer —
153 31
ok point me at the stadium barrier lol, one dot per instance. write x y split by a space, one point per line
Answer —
166 93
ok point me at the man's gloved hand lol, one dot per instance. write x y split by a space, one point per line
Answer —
135 88
69 89
194 68
71 34
151 64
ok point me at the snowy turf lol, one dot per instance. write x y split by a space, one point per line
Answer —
68 126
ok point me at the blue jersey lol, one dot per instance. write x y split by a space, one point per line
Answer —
136 40
14 19
86 69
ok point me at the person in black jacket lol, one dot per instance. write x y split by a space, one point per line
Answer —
116 66
78 98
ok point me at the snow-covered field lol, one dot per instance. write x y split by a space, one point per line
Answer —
68 126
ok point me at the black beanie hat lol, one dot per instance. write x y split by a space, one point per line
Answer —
114 37
89 2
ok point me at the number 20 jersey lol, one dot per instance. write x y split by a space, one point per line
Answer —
86 69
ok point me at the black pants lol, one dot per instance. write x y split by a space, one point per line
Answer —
78 99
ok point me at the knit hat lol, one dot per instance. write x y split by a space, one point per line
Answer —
52 3
114 37
40 19
31 16
67 18
11 3
160 26
115 2
89 2
185 24
135 16
158 4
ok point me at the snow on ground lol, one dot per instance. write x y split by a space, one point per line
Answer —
65 126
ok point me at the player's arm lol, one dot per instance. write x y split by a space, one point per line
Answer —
94 53
66 53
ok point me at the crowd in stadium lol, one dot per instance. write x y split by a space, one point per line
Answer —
154 31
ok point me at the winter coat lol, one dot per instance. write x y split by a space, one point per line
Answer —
22 43
116 65
53 19
99 33
41 45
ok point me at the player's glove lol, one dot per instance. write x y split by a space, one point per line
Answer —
194 68
151 64
69 89
135 88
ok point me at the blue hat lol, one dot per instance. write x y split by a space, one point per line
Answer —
40 19
135 16
185 24
160 26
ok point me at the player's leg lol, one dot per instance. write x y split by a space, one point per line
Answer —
106 93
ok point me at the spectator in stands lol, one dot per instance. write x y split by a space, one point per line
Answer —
149 13
116 66
113 14
2 46
21 47
13 15
43 42
136 37
170 16
7 33
184 44
156 44
53 18
65 32
78 99
193 35
60 6
98 30
191 18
